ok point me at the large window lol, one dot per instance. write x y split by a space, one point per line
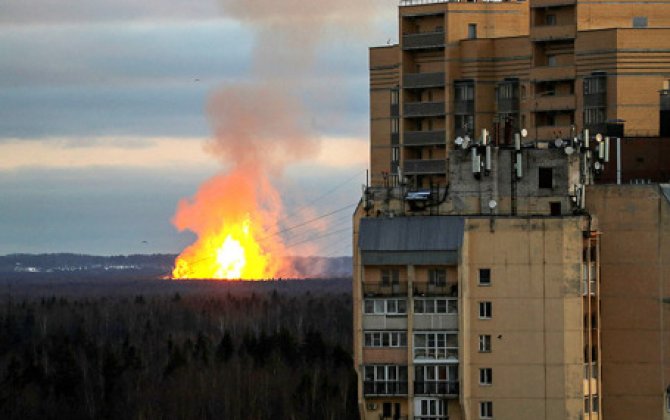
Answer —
594 116
385 339
435 306
437 277
385 380
385 306
435 379
390 276
464 92
430 408
436 346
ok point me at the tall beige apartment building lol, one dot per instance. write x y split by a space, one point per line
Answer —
494 276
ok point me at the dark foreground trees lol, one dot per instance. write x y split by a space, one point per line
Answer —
266 355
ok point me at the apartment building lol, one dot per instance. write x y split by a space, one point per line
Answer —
491 274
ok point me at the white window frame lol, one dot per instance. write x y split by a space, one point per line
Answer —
385 306
484 343
485 376
485 410
430 345
480 282
485 309
448 306
385 339
430 408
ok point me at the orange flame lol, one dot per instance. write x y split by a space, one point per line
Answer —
234 218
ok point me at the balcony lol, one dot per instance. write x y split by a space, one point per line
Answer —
429 289
552 132
443 388
423 109
384 322
425 166
423 80
595 100
380 289
435 321
547 73
553 103
374 388
425 40
425 138
552 32
552 3
436 355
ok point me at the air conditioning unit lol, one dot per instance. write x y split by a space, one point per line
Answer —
372 406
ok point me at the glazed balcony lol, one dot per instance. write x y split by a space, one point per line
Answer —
425 138
595 99
373 388
552 32
542 73
425 40
465 107
429 289
553 103
423 109
442 388
425 166
423 80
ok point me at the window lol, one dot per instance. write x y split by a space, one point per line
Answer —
551 60
484 276
385 339
484 343
387 409
594 116
485 376
595 84
390 276
437 277
385 380
430 408
486 410
472 30
485 310
395 96
436 346
464 91
395 154
595 405
550 20
555 208
436 379
640 22
395 125
545 178
587 405
385 306
435 306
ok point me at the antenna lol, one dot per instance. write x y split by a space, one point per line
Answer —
488 158
517 141
607 149
476 162
586 138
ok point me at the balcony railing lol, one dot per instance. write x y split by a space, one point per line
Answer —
542 73
423 80
448 388
552 32
429 289
385 388
553 102
379 289
551 132
423 109
425 166
425 138
426 40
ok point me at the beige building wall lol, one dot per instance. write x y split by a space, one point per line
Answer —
635 266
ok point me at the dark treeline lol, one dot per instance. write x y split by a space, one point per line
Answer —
250 354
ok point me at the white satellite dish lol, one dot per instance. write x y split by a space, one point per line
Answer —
524 132
466 142
597 165
492 204
458 141
558 142
569 150
599 137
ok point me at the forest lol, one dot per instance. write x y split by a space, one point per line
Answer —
159 349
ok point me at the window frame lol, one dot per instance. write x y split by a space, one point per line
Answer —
486 410
485 376
484 343
479 280
397 303
376 339
485 309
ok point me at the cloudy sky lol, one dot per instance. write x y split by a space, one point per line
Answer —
104 121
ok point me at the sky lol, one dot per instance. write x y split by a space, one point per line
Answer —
105 113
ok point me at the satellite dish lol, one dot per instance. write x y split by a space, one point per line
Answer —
599 137
558 142
569 150
459 140
466 142
597 165
492 204
524 132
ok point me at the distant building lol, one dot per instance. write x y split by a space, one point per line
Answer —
507 276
